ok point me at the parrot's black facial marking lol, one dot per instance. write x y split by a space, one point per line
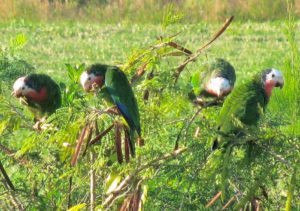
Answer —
265 73
31 84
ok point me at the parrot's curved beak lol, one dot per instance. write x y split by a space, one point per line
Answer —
279 84
16 94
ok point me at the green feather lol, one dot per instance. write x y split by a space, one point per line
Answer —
120 92
243 107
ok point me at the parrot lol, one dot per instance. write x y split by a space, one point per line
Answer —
39 93
215 80
114 83
246 103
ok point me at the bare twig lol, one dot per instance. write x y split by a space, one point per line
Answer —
139 73
101 135
191 120
180 48
126 144
78 146
6 177
181 67
11 153
118 142
92 181
69 192
214 199
14 199
229 202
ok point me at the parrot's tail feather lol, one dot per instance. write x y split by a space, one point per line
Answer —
215 145
132 142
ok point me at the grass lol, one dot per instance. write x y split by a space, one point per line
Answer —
250 47
142 11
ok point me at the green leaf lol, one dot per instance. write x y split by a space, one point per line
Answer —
77 207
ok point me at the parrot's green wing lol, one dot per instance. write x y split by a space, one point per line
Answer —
121 92
243 106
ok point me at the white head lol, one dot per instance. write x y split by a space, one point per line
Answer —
218 86
20 88
272 78
88 80
275 77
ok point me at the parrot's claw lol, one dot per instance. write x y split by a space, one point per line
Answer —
41 125
112 110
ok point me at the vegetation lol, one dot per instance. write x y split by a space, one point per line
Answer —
48 175
141 11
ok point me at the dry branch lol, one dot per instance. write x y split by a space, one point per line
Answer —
101 135
229 202
191 120
181 67
6 177
118 142
126 145
78 146
214 199
11 153
142 69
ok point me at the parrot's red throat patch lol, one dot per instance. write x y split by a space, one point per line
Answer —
99 81
38 96
269 85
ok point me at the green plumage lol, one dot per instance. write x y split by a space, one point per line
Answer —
243 107
120 91
53 99
215 68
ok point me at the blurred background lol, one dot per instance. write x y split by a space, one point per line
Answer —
143 11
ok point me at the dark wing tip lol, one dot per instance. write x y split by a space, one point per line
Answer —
215 145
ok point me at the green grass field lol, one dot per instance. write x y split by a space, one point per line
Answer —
183 183
250 47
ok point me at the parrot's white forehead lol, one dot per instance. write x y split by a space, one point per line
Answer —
83 78
219 82
19 83
276 72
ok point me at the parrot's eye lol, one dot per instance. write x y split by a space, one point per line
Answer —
23 88
89 78
273 75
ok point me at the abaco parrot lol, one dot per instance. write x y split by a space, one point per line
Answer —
39 93
246 103
214 81
112 80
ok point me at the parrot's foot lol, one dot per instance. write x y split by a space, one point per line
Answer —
113 110
41 125
203 103
199 101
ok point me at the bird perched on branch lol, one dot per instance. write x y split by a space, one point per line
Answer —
215 80
114 83
246 103
39 93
